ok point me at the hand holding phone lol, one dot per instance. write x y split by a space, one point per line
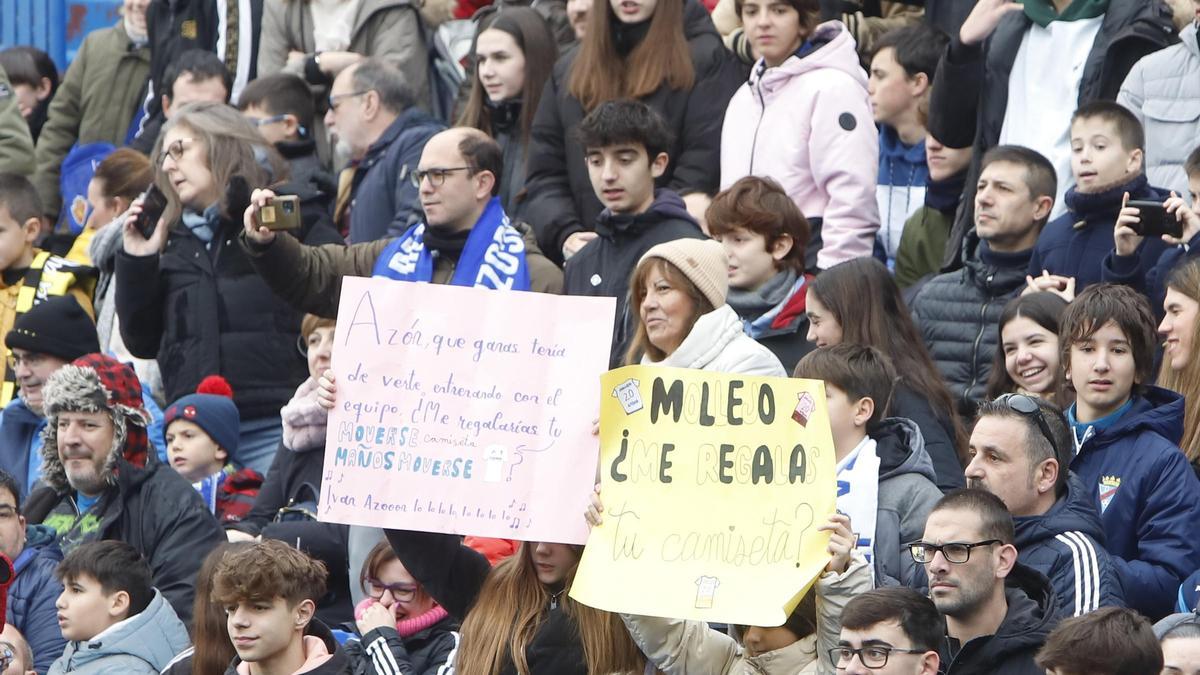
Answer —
1153 220
154 202
281 212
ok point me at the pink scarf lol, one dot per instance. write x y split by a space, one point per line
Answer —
407 627
304 420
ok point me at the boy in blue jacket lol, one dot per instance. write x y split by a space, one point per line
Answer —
1125 434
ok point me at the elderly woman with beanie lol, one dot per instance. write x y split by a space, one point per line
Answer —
679 289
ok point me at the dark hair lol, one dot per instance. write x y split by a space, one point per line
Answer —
863 297
19 198
281 94
663 57
1043 308
1129 129
916 614
198 64
761 206
995 522
210 630
116 566
1037 446
1192 165
482 153
918 48
267 570
1108 641
28 65
381 554
625 121
536 41
1040 176
386 80
8 482
126 173
859 370
1097 305
809 11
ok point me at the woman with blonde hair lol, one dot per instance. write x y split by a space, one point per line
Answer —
188 295
1180 370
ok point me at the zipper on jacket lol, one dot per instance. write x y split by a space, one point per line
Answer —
966 396
762 105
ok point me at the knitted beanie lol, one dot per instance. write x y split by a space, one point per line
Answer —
702 261
57 326
212 409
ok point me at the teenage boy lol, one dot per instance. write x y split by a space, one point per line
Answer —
269 591
113 618
889 631
925 232
281 106
764 236
1125 435
885 476
902 71
201 435
24 266
1110 641
625 148
1107 154
998 612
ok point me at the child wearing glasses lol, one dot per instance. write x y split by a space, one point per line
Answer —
1125 435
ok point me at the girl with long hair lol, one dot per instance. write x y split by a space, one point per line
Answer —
514 53
212 650
1027 357
1180 370
858 302
665 53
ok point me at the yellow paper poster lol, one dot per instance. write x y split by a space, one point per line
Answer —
713 486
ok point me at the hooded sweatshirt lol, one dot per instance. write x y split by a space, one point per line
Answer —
1066 544
603 267
1149 499
322 655
144 643
907 493
808 124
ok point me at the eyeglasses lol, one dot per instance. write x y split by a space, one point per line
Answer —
335 101
1028 407
264 121
437 177
8 654
30 359
873 656
175 150
956 552
400 592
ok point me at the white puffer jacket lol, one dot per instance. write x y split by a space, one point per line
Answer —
718 343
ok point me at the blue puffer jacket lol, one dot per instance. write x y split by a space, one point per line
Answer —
1066 544
1149 499
33 593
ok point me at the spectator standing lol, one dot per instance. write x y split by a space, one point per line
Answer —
825 155
194 76
635 49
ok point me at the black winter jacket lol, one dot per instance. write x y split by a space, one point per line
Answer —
970 90
383 652
958 313
561 200
1032 614
453 574
603 267
203 312
937 431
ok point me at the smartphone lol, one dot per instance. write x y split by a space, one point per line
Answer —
153 204
1155 219
281 213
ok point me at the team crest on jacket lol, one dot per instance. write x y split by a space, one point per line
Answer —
1108 490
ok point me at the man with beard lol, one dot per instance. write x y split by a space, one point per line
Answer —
998 613
1058 530
102 482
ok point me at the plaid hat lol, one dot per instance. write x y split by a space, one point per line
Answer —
702 261
57 326
212 409
96 383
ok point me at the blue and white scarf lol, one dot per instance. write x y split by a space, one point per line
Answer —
493 257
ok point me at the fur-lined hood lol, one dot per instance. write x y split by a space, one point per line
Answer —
95 383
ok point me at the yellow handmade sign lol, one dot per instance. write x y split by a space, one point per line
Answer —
714 486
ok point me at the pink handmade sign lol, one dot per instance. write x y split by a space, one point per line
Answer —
464 410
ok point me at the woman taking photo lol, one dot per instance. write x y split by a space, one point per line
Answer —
514 53
665 53
1180 371
1027 357
188 295
858 302
679 288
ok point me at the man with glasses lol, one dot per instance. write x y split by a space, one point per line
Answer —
372 113
1020 450
998 612
34 589
889 631
16 658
